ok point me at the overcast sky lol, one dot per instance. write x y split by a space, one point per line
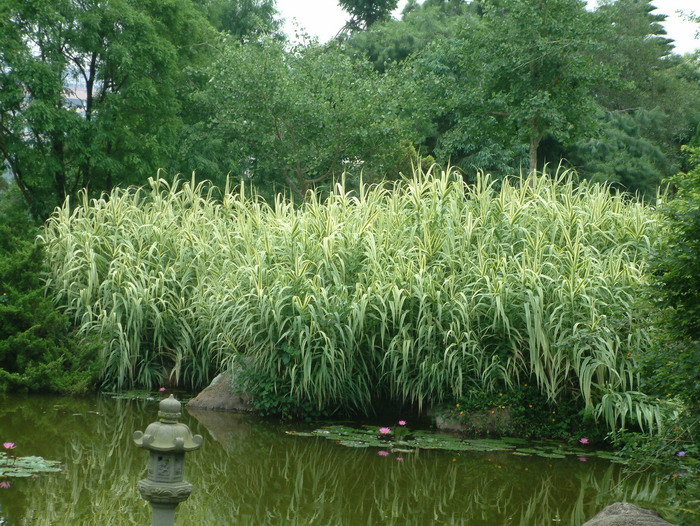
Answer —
324 18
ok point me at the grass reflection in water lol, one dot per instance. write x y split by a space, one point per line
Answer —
249 472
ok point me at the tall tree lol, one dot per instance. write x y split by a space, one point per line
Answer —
241 18
521 71
365 13
293 119
535 62
392 41
89 91
651 108
636 47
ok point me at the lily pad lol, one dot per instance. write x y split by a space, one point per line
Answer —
550 455
516 441
353 443
368 436
26 466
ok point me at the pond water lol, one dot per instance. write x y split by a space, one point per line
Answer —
251 472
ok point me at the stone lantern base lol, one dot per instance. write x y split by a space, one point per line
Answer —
172 493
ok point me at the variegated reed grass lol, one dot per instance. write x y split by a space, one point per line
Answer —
418 292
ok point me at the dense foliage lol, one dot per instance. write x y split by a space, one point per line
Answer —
497 86
90 91
37 350
670 366
294 121
101 94
414 293
678 262
418 293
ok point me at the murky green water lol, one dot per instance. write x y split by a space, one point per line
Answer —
249 472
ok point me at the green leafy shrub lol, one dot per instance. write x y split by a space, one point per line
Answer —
677 263
273 398
416 293
670 366
528 414
37 350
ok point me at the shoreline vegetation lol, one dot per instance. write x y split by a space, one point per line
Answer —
420 293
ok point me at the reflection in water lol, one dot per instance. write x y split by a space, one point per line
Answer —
250 473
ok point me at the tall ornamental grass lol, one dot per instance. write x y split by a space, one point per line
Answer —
418 292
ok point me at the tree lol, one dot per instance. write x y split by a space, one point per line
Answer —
293 119
623 153
241 18
651 107
365 13
535 64
90 91
393 41
519 72
636 47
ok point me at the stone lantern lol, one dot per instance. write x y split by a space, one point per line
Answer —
167 441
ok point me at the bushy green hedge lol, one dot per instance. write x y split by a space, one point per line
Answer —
416 293
37 350
677 264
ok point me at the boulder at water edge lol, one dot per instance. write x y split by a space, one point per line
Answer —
222 395
626 514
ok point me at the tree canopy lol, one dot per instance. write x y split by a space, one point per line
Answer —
90 91
365 13
103 93
294 120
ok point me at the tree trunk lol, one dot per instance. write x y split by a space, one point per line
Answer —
534 144
535 138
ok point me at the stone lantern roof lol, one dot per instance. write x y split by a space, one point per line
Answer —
168 434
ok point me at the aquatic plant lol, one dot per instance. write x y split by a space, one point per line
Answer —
26 466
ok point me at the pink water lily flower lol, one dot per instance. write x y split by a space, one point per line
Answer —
399 459
162 389
402 422
8 445
583 459
384 430
5 485
383 453
583 440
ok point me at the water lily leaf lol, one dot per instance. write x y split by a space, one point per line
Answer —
368 436
550 455
607 455
353 443
26 466
516 441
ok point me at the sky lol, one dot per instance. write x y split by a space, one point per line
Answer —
324 18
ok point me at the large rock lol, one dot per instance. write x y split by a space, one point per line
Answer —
222 395
626 514
495 421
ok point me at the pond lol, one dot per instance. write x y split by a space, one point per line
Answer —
251 471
